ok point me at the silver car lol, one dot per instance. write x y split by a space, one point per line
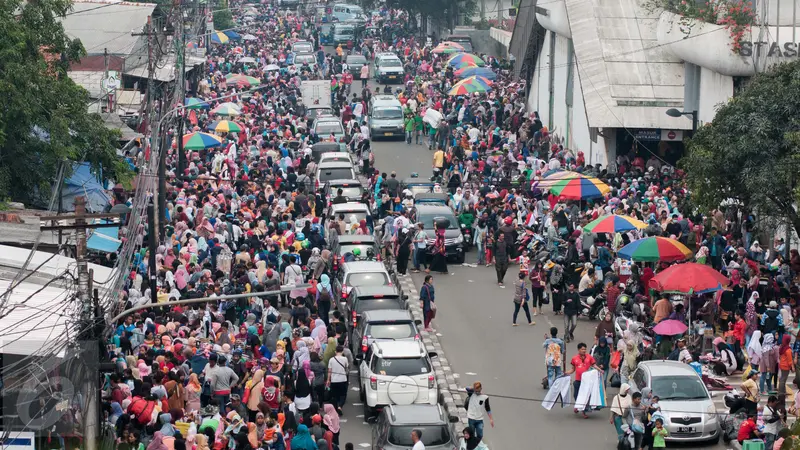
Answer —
684 400
386 117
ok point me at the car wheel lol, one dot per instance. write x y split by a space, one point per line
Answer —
461 258
362 394
368 412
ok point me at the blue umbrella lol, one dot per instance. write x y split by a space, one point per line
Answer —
476 71
233 35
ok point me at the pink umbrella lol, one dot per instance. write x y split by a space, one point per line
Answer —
670 328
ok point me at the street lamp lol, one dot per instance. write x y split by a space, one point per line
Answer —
672 112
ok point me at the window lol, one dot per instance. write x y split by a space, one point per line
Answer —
395 367
348 248
356 59
431 435
639 379
387 113
391 62
367 279
335 173
347 191
679 388
325 128
374 304
427 220
391 330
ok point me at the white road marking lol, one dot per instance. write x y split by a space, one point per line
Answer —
439 334
456 376
470 373
358 416
358 404
364 445
471 281
343 420
354 389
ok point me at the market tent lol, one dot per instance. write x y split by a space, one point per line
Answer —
83 182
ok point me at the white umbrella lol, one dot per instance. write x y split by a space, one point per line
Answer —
272 67
249 37
247 59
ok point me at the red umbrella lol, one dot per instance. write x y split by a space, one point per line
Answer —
689 278
670 328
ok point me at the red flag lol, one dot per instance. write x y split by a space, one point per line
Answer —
193 117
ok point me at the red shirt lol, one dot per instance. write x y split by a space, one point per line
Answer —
738 330
581 365
746 430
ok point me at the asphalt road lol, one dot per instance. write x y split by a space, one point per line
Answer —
474 324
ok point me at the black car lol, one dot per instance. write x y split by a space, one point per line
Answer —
453 239
355 63
318 149
351 189
395 423
369 298
417 185
383 325
341 245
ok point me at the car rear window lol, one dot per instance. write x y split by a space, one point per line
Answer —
375 304
367 279
395 367
304 59
335 173
356 59
348 191
427 220
353 217
431 435
399 330
326 128
420 188
345 248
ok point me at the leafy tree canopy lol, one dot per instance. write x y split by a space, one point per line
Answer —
44 117
750 153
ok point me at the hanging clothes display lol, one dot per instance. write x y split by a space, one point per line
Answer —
591 394
558 391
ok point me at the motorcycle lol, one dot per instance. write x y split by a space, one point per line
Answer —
594 307
467 233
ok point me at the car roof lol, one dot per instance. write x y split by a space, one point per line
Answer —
349 206
334 155
386 100
351 238
334 164
364 267
356 56
399 349
328 118
667 368
431 195
416 415
323 145
417 181
379 315
376 290
434 209
344 181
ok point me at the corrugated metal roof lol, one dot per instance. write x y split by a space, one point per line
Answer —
89 80
627 80
39 322
108 25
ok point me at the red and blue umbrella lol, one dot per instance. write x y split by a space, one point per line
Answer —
199 141
196 103
614 224
470 85
655 248
473 71
468 58
574 186
218 37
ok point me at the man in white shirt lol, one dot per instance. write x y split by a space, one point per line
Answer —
684 356
416 438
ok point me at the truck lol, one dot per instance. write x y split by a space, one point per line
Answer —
316 95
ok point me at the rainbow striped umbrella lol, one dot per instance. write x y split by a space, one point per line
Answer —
575 186
614 224
465 58
227 109
226 126
199 141
448 47
472 71
219 37
470 85
242 80
655 248
196 103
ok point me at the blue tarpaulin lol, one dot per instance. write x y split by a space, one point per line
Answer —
84 182
104 240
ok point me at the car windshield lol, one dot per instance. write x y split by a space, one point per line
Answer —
367 279
427 220
356 59
302 47
391 62
391 330
335 173
396 367
349 191
387 113
304 59
325 128
420 188
431 435
679 388
353 217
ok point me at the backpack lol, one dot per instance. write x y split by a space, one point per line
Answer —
674 354
324 295
142 410
552 356
771 322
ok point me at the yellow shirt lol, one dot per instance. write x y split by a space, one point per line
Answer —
750 389
438 159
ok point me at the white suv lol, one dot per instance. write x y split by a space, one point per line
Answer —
397 373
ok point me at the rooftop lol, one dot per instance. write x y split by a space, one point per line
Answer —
106 25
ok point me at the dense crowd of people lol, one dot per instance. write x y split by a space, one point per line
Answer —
272 370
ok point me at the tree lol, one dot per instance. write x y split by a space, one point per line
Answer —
750 153
44 118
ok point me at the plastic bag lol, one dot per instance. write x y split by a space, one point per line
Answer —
615 380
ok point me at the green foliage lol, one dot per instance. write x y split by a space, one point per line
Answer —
750 153
223 20
38 95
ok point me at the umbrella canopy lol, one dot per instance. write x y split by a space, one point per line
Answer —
219 38
468 58
471 71
249 37
226 126
233 35
247 59
689 278
227 109
575 186
614 224
655 248
670 328
471 85
195 103
191 45
199 141
271 67
447 47
242 80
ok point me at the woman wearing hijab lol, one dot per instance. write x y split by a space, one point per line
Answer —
256 387
404 241
320 335
754 350
750 314
471 441
439 263
201 442
158 442
769 362
167 429
302 391
324 298
619 408
331 421
629 360
193 391
301 355
602 354
785 362
303 440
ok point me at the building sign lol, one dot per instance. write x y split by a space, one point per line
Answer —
653 135
671 135
774 49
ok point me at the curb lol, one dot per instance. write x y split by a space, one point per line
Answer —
448 385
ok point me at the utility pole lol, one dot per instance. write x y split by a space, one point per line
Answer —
483 10
180 61
152 242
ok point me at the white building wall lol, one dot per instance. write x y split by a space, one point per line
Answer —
715 89
539 97
594 152
560 120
